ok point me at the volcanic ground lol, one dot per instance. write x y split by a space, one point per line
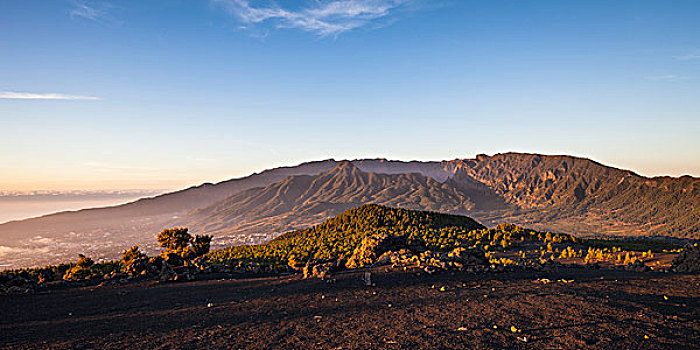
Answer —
570 308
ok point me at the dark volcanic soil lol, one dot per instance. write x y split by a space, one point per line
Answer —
599 309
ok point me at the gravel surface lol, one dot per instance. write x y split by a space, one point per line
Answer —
598 309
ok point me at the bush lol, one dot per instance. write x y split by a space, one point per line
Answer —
132 254
201 245
81 270
84 261
175 240
178 241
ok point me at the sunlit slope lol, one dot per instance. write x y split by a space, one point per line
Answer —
339 236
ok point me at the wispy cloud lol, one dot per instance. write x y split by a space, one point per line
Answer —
50 96
689 57
665 77
96 11
322 17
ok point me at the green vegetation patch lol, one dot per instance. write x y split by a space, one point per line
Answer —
338 237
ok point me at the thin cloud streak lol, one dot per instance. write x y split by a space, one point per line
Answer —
50 96
690 55
325 18
96 11
666 77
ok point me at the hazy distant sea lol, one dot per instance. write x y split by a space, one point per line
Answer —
23 207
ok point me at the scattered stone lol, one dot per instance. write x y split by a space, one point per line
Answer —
637 266
430 269
373 247
167 273
386 259
367 278
688 260
17 283
174 260
138 267
183 274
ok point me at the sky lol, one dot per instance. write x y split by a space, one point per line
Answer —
172 93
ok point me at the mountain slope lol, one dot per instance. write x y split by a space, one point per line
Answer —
577 195
104 232
553 193
302 200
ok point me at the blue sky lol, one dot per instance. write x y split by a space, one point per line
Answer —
166 94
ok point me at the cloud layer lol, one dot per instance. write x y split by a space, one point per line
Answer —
51 96
325 18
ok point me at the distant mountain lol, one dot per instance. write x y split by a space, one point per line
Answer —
556 193
299 201
580 196
104 232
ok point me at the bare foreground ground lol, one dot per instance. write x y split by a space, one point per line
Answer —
600 309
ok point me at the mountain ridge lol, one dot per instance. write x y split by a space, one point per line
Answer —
323 195
557 193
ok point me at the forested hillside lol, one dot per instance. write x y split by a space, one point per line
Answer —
339 236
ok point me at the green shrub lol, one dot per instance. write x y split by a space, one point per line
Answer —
132 254
178 241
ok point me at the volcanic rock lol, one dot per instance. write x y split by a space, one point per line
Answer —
372 247
688 260
320 268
